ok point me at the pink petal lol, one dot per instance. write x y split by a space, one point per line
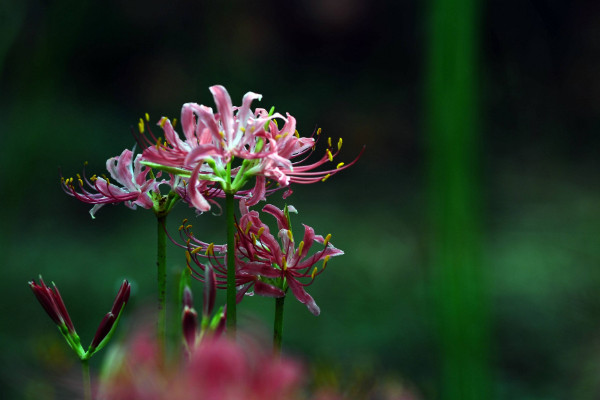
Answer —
303 297
266 290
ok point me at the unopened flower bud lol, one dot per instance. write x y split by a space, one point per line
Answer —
53 304
210 291
122 298
188 298
103 329
189 324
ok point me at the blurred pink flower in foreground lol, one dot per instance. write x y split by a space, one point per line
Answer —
218 369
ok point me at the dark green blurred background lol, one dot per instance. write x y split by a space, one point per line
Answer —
76 76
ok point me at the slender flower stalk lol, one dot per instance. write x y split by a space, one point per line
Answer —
278 324
231 284
86 380
161 274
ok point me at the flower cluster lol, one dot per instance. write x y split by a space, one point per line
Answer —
266 262
235 153
199 166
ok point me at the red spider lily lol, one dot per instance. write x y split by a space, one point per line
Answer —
135 186
263 262
212 140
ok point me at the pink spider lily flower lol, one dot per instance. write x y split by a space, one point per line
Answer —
288 163
292 262
202 256
135 189
212 140
267 263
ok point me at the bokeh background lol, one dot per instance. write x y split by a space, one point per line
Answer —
400 306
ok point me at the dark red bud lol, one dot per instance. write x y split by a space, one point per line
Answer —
122 298
221 326
52 303
210 290
105 326
188 298
190 325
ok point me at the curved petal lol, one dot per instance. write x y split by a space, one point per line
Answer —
196 198
303 297
225 108
266 290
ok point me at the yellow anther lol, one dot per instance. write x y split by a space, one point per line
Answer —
248 225
147 117
277 137
325 261
318 131
329 155
189 226
253 236
197 250
260 231
297 134
325 177
284 263
94 178
85 163
289 234
242 129
105 178
313 273
340 165
180 228
300 247
174 122
80 182
141 126
210 249
329 141
327 239
185 220
78 176
339 144
188 257
222 134
314 147
163 121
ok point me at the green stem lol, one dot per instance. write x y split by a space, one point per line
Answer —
87 384
231 292
278 325
161 264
